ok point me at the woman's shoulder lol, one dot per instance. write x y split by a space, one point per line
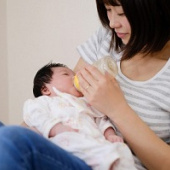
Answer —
103 33
104 30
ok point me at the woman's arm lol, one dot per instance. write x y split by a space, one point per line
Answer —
80 64
105 91
32 128
149 148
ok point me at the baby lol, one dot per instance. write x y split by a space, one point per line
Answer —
62 115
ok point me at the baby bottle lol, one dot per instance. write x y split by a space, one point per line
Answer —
104 64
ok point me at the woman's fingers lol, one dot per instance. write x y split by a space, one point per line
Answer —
94 72
86 79
90 78
85 86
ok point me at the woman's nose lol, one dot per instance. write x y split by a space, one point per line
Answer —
114 21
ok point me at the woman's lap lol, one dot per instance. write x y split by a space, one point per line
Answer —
23 149
1 124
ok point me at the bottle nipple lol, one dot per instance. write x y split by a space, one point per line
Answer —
105 64
76 83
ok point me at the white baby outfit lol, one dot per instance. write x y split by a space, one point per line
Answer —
89 142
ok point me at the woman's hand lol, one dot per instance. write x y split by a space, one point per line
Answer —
102 91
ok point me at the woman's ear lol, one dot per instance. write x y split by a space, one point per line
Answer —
45 91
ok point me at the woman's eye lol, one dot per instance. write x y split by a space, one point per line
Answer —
108 10
121 14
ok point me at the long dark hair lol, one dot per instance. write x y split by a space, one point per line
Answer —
149 21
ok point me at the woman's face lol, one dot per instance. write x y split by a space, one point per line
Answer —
119 22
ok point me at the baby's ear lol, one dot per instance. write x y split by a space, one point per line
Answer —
45 91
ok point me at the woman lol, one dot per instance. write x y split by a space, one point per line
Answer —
139 31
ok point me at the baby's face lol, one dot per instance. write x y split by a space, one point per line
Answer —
62 80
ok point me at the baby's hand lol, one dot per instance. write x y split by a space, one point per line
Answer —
114 138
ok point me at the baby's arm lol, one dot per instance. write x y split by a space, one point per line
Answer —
60 128
111 136
37 115
107 128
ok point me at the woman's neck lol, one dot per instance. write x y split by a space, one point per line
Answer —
143 67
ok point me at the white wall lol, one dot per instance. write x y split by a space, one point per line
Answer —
40 31
3 64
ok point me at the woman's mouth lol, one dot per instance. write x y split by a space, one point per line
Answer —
121 35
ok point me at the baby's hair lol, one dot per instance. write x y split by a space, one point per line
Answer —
43 76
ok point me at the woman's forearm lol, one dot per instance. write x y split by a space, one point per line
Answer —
150 149
31 128
80 64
